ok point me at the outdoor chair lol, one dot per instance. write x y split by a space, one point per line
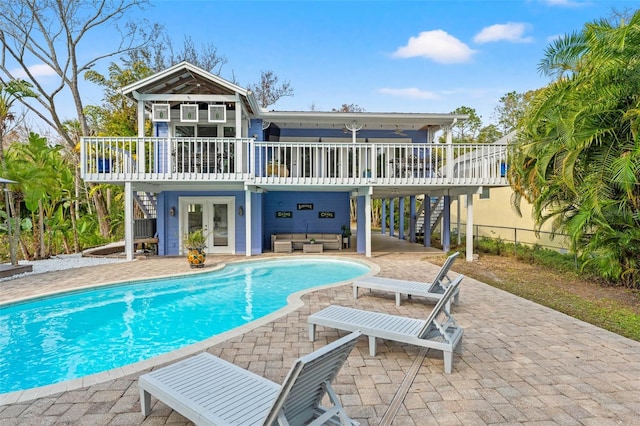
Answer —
210 391
440 331
433 290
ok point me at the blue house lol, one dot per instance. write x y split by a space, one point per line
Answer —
217 161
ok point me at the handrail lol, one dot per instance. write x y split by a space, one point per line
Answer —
120 159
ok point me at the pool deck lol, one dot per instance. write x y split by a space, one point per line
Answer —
521 363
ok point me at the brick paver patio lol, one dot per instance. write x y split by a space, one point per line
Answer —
521 363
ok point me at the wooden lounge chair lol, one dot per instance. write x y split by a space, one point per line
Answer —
210 391
440 331
433 290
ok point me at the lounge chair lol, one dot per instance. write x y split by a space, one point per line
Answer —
440 331
433 290
210 391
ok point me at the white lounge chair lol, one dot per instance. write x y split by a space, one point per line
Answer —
210 391
433 290
440 331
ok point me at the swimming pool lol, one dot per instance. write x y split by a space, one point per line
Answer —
70 335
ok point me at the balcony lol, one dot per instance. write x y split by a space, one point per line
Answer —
159 160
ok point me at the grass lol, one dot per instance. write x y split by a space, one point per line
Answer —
552 279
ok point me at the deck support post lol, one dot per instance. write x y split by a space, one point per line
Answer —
392 215
383 217
401 218
128 220
247 222
426 226
446 224
412 218
469 236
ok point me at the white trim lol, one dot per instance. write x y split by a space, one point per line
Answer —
177 68
152 97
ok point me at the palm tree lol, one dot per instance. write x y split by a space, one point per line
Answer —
9 93
577 159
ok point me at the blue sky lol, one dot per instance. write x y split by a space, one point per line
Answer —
400 56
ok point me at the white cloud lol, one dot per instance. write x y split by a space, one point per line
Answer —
410 92
38 70
554 37
436 45
511 31
565 3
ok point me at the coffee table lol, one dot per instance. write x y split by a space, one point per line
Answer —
312 248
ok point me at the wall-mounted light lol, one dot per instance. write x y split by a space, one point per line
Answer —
240 211
172 211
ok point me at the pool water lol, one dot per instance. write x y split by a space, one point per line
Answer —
57 338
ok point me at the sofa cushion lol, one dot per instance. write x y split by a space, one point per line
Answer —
331 237
283 236
314 236
298 237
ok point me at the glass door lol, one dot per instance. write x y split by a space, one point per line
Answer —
214 215
220 232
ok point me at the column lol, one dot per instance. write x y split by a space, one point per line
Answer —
427 220
401 218
469 236
446 224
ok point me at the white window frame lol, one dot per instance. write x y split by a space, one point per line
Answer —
185 110
157 110
217 109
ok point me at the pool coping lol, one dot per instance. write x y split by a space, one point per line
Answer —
294 301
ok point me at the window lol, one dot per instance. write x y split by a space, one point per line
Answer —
189 113
160 113
184 132
229 132
217 114
207 131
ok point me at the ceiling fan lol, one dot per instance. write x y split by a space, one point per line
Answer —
398 131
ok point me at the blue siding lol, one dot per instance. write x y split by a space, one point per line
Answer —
417 136
161 150
304 221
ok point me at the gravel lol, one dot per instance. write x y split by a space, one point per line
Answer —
62 262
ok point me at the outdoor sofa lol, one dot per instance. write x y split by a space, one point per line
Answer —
328 241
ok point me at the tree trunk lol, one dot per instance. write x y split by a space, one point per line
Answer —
101 211
42 252
74 227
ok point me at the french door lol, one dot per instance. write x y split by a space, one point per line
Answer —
214 215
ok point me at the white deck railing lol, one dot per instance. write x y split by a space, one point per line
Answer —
325 163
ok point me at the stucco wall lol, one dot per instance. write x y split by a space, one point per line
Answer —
495 217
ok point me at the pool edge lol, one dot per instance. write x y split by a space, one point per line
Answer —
294 302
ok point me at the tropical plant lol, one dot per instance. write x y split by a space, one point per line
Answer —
195 240
577 158
10 92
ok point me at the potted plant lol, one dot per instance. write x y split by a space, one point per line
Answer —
312 240
194 242
346 235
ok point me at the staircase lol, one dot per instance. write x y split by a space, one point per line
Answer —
437 207
147 203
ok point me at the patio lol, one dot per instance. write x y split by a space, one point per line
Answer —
521 363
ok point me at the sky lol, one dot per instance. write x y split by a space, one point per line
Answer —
384 56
